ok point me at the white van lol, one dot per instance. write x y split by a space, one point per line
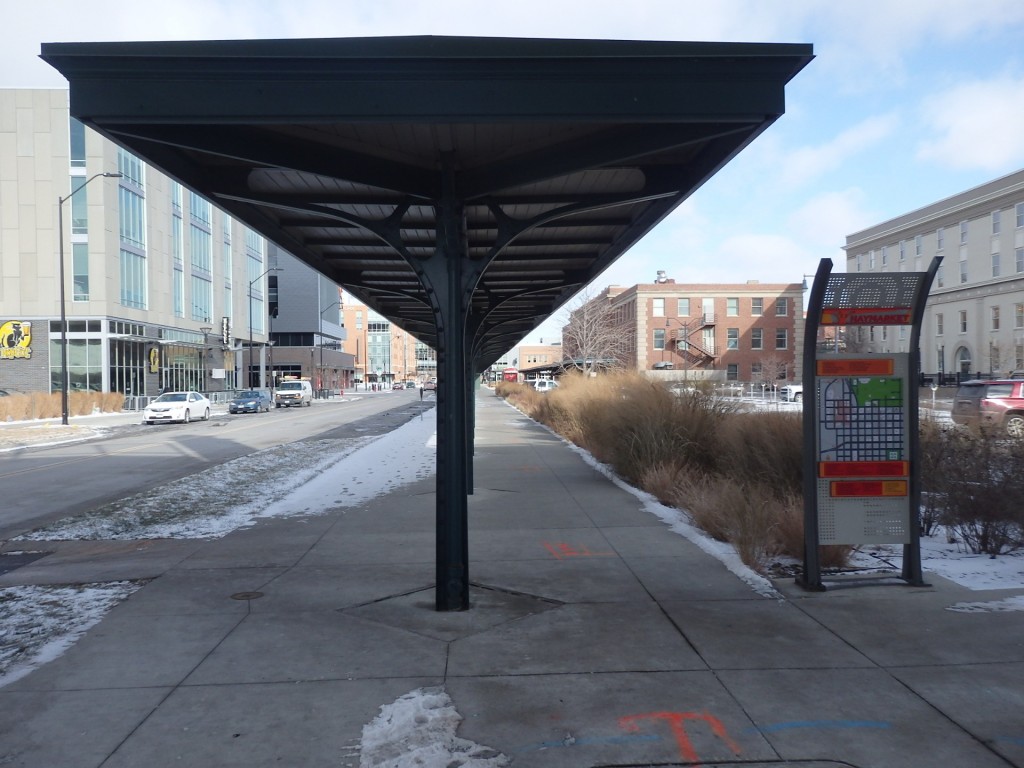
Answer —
289 393
545 385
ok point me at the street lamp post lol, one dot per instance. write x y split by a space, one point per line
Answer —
64 374
248 376
329 306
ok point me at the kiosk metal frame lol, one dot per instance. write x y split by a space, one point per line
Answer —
861 461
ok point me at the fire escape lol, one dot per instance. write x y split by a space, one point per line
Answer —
697 353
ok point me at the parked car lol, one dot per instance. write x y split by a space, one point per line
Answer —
995 404
251 401
397 385
297 392
792 393
430 385
177 406
545 385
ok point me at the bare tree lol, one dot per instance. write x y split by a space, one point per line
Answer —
773 369
593 337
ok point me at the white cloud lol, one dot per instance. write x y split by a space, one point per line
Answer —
808 163
825 221
977 125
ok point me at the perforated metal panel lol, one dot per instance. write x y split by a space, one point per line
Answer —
847 291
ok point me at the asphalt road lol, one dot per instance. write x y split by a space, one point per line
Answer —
46 483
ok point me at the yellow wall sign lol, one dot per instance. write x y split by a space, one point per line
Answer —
154 359
16 340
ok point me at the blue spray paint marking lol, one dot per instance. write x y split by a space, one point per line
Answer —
776 727
1018 740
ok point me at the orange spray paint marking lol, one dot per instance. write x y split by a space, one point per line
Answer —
677 723
562 551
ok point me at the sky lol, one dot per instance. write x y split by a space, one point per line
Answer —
906 103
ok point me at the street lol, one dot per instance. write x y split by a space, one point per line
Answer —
47 483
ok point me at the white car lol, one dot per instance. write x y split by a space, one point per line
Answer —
545 385
793 393
177 406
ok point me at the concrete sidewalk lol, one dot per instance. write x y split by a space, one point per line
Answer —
597 637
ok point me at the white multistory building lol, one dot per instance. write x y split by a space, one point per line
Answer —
162 289
974 318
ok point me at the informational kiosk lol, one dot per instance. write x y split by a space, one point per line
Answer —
861 442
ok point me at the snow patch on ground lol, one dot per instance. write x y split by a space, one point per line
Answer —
991 606
37 624
307 477
418 729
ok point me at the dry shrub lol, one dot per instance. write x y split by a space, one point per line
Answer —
47 405
662 482
981 489
766 448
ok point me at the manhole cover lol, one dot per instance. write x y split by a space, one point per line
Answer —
246 595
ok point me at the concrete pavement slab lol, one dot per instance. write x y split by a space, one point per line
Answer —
262 725
70 728
693 577
317 645
128 650
582 638
577 577
915 627
761 634
193 591
621 719
984 699
862 716
85 562
332 588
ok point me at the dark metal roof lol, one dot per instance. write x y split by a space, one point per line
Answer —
563 153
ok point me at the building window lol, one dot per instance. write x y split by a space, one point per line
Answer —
732 338
995 318
940 280
133 279
781 338
938 324
756 338
871 259
903 250
860 258
179 292
1020 215
963 272
918 245
683 307
995 265
964 225
77 131
885 256
202 299
1018 256
732 372
940 238
755 371
1018 315
782 307
757 307
657 307
732 307
79 207
659 338
963 321
995 222
80 271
